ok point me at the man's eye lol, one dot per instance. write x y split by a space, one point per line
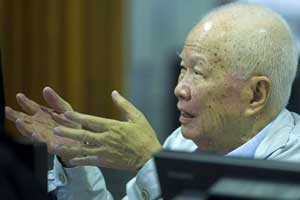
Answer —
182 70
198 73
182 73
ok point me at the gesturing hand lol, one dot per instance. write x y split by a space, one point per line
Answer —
110 143
37 122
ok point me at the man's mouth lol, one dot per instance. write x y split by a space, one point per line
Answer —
185 117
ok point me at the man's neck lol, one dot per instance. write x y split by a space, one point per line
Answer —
243 130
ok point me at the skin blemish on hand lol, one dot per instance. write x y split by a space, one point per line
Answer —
218 61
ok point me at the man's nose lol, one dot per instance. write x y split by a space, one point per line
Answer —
182 91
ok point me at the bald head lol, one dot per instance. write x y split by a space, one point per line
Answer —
247 40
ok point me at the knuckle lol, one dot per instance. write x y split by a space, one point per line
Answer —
85 136
86 122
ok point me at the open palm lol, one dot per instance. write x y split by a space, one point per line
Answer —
37 122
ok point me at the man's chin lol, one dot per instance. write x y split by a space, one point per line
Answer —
188 132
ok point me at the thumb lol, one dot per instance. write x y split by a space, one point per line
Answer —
55 101
131 112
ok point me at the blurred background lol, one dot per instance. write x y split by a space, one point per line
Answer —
84 49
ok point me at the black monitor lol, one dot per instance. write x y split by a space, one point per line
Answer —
207 176
1 100
23 167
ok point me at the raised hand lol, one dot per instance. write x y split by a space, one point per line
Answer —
38 122
110 143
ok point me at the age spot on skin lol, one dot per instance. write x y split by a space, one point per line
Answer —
219 60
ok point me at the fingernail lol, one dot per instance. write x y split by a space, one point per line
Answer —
57 130
58 148
115 93
69 114
54 114
36 137
20 124
7 109
20 95
53 145
45 89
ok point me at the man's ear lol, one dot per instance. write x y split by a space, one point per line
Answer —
260 89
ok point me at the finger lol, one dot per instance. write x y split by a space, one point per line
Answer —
29 106
93 123
98 161
77 134
10 114
89 160
68 151
131 112
55 101
62 120
13 115
24 128
51 148
39 138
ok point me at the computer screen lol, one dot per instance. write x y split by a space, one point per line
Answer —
209 176
26 178
1 99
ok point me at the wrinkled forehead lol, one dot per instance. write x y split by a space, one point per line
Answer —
210 42
191 57
206 42
211 32
217 35
230 24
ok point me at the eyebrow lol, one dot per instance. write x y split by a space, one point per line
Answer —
180 55
195 58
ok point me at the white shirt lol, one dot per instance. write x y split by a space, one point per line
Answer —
279 140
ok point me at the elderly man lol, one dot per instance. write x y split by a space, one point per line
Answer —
238 65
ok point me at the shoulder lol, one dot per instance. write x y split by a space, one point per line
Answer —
283 140
178 143
291 150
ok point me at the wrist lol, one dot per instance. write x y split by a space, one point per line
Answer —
157 147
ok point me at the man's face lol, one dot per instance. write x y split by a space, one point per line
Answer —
210 98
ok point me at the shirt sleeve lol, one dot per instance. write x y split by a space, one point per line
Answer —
77 183
145 186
